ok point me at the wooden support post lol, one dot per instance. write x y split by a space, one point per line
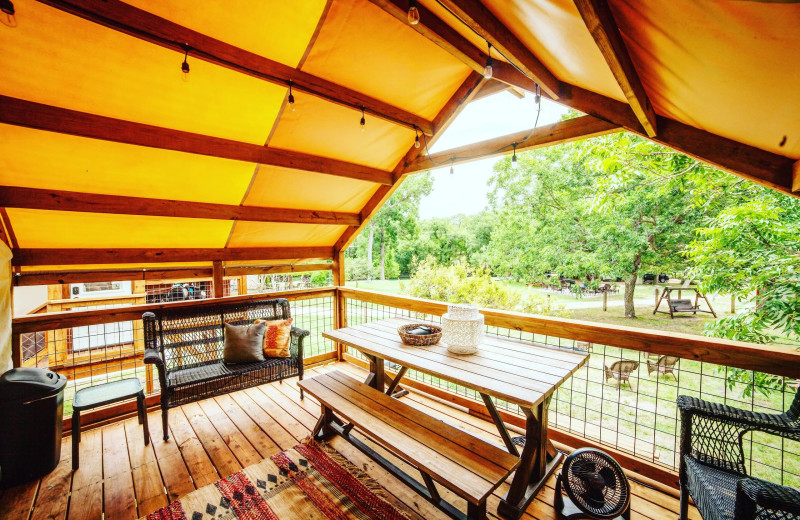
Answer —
16 349
242 285
339 305
605 300
219 283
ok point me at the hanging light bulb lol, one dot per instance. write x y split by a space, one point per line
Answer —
487 72
7 8
291 97
514 163
537 97
363 120
185 64
452 162
416 138
413 12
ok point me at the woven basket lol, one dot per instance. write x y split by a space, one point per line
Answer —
420 341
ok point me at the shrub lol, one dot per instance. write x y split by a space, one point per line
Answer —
321 278
461 283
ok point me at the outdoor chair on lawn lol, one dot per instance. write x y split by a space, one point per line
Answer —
712 469
662 366
621 371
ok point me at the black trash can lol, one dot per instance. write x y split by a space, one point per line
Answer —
31 415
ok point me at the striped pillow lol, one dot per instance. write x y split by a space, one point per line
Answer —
276 337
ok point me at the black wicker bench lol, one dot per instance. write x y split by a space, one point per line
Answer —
185 344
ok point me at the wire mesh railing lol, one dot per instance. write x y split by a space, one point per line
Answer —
93 351
625 398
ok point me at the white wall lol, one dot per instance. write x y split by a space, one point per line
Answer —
5 308
27 298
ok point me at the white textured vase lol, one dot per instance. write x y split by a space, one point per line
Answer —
462 328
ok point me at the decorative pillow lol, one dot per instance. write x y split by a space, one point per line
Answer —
243 344
277 337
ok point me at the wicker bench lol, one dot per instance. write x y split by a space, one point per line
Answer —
185 344
469 467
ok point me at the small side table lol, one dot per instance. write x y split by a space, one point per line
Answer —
101 395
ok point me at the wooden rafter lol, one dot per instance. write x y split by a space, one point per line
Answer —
33 257
54 119
603 28
465 93
32 198
487 25
796 177
450 40
159 31
549 135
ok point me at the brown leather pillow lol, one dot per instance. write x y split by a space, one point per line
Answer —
243 344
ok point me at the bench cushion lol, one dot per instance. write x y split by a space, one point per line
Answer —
463 463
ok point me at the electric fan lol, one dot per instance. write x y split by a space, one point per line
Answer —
595 486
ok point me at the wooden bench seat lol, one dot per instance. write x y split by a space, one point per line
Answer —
464 464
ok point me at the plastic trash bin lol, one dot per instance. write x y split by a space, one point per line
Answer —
31 415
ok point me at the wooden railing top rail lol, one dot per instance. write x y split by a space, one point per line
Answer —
771 359
66 319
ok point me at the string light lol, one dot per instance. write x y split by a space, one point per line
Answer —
487 72
291 97
514 157
416 138
452 162
413 12
537 96
7 8
185 64
363 120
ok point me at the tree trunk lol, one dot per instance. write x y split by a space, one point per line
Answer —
370 243
383 258
630 288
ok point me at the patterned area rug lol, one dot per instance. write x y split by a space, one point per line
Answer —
311 481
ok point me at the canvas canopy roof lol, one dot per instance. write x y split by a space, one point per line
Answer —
108 159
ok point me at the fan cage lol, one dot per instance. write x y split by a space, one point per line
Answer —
596 483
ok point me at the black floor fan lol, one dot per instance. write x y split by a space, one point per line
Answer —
595 485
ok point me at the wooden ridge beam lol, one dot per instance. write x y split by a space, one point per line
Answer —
19 112
78 256
491 29
32 198
141 24
601 24
549 135
458 101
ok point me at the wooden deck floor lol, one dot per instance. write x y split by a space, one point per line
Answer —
120 478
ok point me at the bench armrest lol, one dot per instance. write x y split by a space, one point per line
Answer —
298 337
755 495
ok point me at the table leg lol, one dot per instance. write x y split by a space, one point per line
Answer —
537 462
376 379
501 427
396 381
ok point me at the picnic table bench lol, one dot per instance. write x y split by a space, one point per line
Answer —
470 467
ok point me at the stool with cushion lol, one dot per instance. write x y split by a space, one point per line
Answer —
102 395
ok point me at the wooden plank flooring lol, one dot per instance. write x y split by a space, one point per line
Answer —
121 478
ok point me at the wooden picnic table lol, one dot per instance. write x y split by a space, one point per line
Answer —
509 370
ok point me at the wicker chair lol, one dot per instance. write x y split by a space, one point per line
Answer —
712 467
621 370
662 366
185 344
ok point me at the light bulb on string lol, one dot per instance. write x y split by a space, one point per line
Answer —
537 97
413 12
487 71
185 64
452 162
291 98
514 163
363 120
416 138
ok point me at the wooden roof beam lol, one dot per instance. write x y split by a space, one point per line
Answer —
603 28
487 25
796 177
141 24
79 256
54 119
549 135
32 198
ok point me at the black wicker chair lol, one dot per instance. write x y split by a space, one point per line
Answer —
712 467
185 344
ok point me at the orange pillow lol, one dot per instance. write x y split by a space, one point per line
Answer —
277 337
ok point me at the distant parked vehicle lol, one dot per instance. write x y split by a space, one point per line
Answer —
179 292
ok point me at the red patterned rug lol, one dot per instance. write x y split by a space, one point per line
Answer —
311 481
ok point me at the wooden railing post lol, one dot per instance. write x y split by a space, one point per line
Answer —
217 274
340 310
16 349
